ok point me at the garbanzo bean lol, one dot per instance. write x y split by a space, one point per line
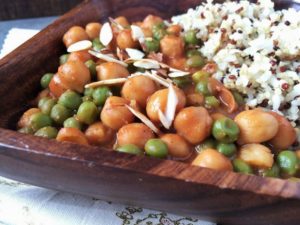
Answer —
134 133
82 56
74 34
177 146
211 158
159 101
150 21
256 126
25 119
71 134
75 75
122 21
139 88
115 114
98 134
174 29
125 40
56 87
93 30
111 70
193 123
286 134
256 155
172 46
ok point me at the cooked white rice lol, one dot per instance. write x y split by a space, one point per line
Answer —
256 49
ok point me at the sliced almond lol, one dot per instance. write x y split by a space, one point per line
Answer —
134 53
106 82
137 33
106 34
80 46
153 75
171 104
163 119
144 119
147 64
178 74
119 26
106 58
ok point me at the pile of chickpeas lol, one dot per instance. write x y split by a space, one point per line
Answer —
212 126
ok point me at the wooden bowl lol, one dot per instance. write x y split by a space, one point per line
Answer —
223 197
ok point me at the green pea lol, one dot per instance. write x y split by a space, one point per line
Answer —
241 167
97 45
191 38
226 149
87 98
208 143
72 122
100 95
225 130
130 148
87 112
200 75
151 45
159 31
288 162
238 98
47 106
63 59
70 99
88 92
42 101
195 61
39 120
182 82
45 80
47 132
92 67
60 113
202 87
156 148
274 171
26 130
192 52
211 102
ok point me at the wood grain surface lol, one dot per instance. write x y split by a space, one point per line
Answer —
223 197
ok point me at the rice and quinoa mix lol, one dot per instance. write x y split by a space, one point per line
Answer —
256 48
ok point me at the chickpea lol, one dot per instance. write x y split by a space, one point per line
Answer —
195 99
286 134
74 34
216 116
177 146
25 119
111 70
56 87
256 155
150 21
125 40
172 46
174 29
147 32
75 75
93 30
256 126
159 101
134 133
194 124
71 134
177 63
139 88
98 134
122 21
82 56
115 114
211 158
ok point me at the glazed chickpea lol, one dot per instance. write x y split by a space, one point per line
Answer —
177 146
134 133
286 134
172 46
93 30
211 158
74 34
98 134
195 99
25 119
139 88
122 21
177 63
71 134
256 126
115 114
256 155
147 32
125 40
75 75
111 70
82 56
150 21
174 29
159 101
194 124
56 87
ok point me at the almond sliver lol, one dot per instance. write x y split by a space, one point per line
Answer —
171 104
119 26
163 119
158 79
107 58
80 46
147 64
134 53
106 82
137 33
106 34
178 74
